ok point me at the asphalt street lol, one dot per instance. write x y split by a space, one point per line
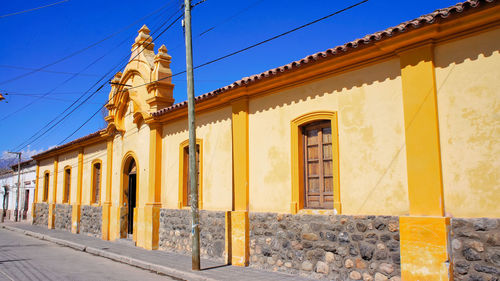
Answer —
27 258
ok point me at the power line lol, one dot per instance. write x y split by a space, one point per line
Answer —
81 50
32 138
260 43
93 115
32 9
224 57
48 71
74 75
230 17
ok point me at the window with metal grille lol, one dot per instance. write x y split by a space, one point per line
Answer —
318 165
46 187
186 178
67 184
96 182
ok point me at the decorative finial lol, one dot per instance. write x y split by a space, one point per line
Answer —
162 49
144 39
144 29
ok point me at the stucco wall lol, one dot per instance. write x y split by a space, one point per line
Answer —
214 128
45 165
468 83
136 141
371 140
90 154
67 160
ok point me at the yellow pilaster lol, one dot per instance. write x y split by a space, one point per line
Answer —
53 197
424 248
35 198
424 234
149 215
239 217
422 132
75 215
106 206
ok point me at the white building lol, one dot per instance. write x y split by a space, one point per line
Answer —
8 189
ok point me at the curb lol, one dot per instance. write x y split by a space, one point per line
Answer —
171 272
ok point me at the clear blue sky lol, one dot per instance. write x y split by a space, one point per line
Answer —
37 38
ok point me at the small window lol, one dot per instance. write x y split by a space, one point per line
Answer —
186 179
67 185
318 169
46 187
96 182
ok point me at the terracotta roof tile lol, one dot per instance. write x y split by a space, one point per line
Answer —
347 47
87 137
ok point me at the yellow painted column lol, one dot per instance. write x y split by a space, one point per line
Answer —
75 208
423 234
53 198
106 205
149 215
239 216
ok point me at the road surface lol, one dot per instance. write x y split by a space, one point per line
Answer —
27 258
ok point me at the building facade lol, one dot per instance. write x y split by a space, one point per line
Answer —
8 190
374 160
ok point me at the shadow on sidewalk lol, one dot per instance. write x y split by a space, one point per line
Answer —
214 267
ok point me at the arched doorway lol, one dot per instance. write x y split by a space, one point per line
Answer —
129 181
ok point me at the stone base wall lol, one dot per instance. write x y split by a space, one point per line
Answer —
91 220
175 229
63 216
41 214
476 249
333 247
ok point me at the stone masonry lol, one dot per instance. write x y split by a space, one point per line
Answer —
63 216
333 247
175 228
476 249
91 220
41 214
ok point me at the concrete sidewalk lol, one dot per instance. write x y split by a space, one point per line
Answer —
168 263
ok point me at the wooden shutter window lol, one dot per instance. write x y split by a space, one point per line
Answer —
186 179
318 165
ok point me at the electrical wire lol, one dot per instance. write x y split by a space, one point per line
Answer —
93 115
230 18
32 9
224 57
34 136
26 143
259 43
83 49
126 59
48 71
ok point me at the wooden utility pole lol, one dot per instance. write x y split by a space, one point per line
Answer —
16 211
193 173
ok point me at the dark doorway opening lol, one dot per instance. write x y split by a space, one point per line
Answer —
132 196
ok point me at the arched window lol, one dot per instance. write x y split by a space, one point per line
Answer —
67 184
46 178
318 171
315 168
96 182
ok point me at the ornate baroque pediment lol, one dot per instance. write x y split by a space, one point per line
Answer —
145 82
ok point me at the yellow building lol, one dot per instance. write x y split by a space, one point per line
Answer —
374 160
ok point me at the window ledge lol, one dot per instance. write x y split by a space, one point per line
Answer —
317 212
